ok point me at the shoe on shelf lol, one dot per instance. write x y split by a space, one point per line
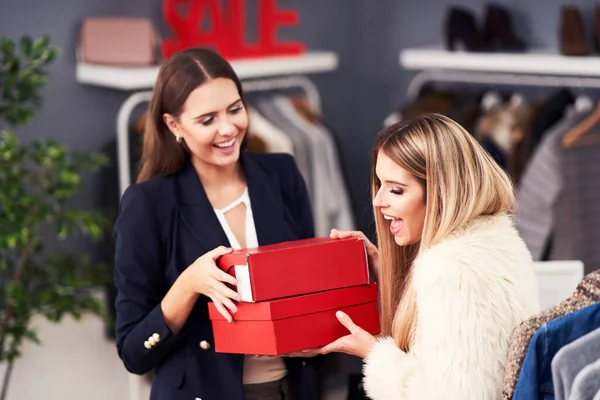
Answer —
498 29
462 33
571 32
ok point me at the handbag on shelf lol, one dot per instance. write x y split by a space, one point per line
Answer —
119 41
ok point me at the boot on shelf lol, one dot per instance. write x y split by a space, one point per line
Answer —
571 32
498 29
461 31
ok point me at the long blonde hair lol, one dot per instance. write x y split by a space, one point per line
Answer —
461 182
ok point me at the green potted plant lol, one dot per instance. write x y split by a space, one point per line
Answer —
38 275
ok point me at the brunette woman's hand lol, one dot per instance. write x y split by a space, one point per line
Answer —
204 277
372 252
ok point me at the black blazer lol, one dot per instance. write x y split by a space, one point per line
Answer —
163 226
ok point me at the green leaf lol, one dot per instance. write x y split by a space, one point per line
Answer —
32 335
26 44
41 43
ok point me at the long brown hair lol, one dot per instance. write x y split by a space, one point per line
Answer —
178 77
461 182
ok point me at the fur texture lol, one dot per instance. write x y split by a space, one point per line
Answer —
472 290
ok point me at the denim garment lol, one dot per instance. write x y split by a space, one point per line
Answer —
535 379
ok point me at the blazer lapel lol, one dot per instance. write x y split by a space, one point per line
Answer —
196 212
267 204
202 223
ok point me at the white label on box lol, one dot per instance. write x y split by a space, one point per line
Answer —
244 287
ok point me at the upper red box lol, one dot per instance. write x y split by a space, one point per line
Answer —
297 267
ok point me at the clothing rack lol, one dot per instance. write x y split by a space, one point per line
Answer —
258 85
495 78
556 279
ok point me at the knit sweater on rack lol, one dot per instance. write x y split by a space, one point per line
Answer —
472 290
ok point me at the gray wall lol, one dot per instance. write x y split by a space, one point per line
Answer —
356 98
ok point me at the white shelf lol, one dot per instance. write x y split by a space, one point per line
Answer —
541 62
143 78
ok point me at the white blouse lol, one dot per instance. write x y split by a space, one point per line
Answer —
257 369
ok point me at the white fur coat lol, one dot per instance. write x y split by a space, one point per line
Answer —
472 289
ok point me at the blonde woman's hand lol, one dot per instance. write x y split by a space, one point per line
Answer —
205 277
358 343
372 252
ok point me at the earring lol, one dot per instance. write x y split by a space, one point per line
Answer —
178 138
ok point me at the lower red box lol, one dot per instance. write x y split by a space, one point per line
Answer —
282 326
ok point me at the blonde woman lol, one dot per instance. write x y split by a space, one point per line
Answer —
454 276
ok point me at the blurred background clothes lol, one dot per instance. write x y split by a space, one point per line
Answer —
558 198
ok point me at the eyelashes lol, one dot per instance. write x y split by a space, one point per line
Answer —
210 120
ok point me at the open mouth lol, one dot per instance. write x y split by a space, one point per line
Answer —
395 225
225 145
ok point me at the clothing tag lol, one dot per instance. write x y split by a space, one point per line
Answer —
244 287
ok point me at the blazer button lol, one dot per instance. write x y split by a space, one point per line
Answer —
204 345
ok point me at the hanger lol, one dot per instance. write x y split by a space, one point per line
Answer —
587 140
575 134
583 103
491 99
517 100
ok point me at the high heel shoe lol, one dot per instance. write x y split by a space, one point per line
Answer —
571 33
498 30
461 31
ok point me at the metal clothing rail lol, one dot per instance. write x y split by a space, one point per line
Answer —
259 85
490 78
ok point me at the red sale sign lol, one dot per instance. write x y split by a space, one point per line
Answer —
227 33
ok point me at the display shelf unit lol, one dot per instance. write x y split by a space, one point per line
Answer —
144 77
534 62
534 68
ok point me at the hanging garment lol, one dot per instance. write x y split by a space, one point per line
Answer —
523 146
429 101
581 168
541 186
332 201
495 130
586 293
307 111
466 109
302 150
344 166
549 114
570 360
587 383
275 139
535 379
321 193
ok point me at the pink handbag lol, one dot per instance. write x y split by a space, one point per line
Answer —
119 41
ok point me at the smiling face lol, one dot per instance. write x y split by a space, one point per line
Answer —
400 198
212 123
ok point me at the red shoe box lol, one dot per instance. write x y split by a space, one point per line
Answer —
297 268
279 327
